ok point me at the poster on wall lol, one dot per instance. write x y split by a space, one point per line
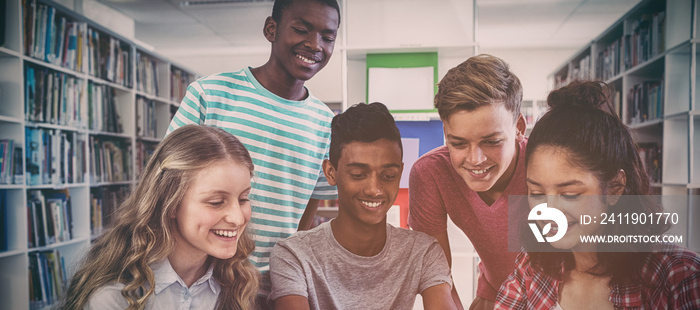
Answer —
402 88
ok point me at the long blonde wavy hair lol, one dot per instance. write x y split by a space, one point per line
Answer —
142 231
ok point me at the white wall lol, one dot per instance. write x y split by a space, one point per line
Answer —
108 17
103 15
413 23
532 66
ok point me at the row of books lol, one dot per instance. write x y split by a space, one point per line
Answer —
533 111
49 217
53 97
575 71
646 38
103 202
146 74
617 103
581 71
650 153
103 108
146 117
110 160
53 37
10 162
610 60
54 156
47 278
144 151
112 58
179 80
645 102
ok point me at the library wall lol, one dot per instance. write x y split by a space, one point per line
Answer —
107 17
532 66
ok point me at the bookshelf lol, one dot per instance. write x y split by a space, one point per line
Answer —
84 108
650 56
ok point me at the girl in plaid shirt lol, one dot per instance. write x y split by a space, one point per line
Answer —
597 164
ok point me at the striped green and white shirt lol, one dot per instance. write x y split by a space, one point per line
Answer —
287 140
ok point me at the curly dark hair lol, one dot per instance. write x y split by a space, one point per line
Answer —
280 5
364 123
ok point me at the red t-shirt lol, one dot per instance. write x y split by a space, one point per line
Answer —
436 190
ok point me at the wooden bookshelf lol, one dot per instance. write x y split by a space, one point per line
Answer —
84 107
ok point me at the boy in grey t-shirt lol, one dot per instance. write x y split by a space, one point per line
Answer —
357 260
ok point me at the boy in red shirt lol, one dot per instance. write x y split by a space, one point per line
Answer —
470 178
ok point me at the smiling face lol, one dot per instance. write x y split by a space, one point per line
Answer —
368 177
303 39
483 144
214 211
551 178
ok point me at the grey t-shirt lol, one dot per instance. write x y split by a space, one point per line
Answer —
314 265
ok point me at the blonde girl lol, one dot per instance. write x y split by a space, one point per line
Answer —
179 239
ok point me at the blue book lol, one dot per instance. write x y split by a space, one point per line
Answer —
45 157
6 157
46 279
3 221
71 47
3 160
30 95
50 42
34 147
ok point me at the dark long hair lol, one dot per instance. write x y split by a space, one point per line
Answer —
582 121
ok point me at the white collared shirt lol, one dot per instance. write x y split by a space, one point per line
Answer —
171 292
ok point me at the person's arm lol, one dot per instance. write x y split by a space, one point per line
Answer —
427 212
287 277
513 291
438 297
292 302
444 242
309 213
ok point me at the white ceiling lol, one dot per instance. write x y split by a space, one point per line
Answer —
175 30
546 23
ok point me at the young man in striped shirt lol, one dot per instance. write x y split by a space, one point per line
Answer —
284 127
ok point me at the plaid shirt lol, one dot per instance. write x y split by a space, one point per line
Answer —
676 276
